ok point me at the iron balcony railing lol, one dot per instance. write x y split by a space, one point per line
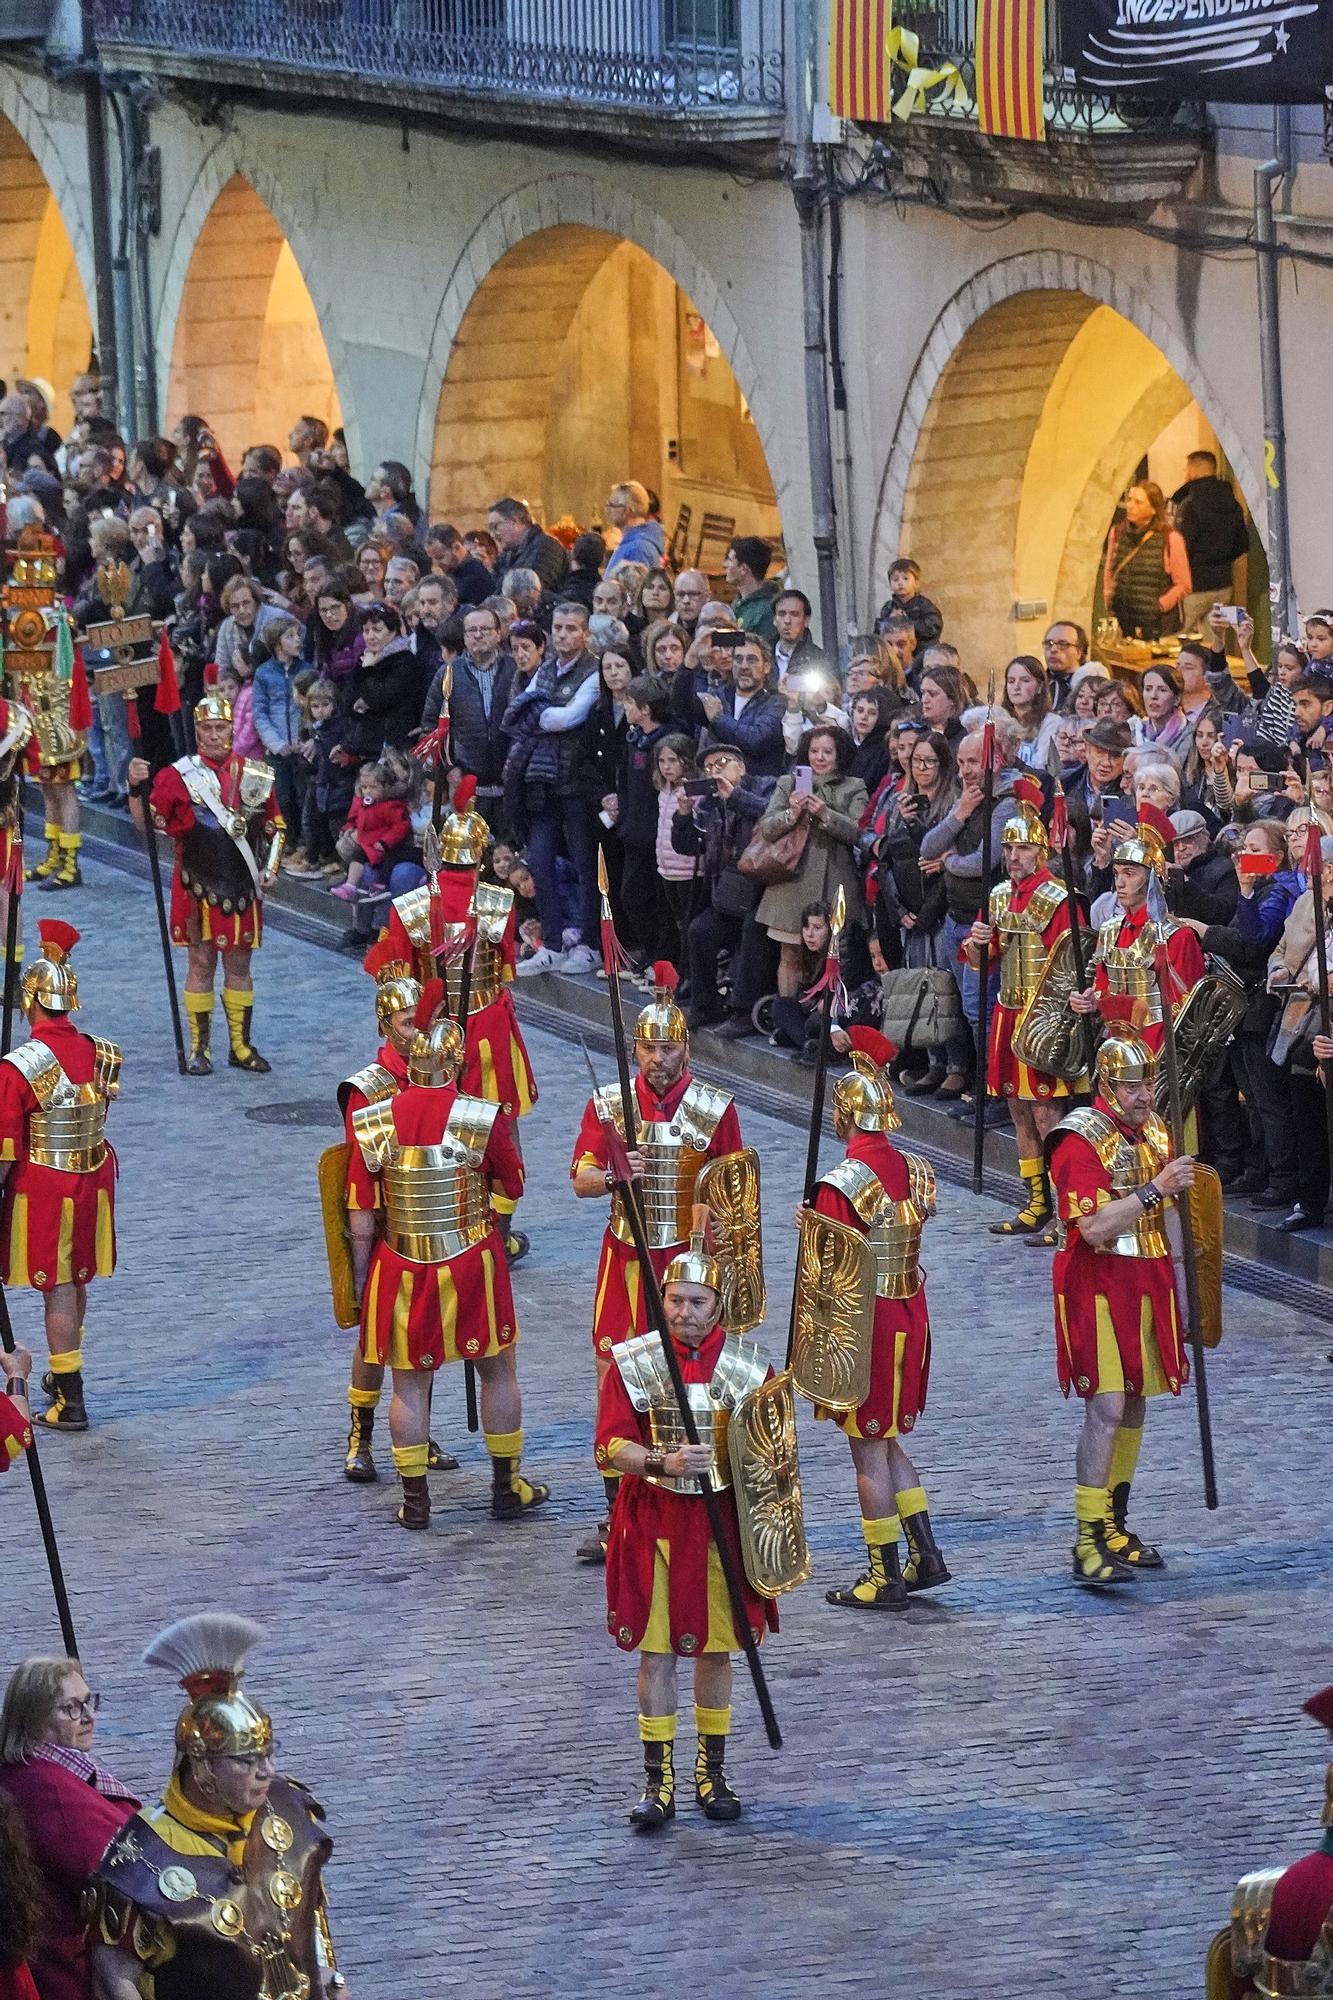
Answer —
672 56
946 32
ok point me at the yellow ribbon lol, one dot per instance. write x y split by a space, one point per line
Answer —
904 49
1270 463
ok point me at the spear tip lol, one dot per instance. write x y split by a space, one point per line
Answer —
603 879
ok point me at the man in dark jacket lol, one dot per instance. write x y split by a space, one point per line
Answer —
472 581
550 712
747 715
1212 521
523 545
483 681
1201 881
719 829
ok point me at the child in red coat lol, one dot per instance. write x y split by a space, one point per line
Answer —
375 826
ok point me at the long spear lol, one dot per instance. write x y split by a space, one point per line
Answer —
1188 1253
141 792
464 1000
613 963
43 1505
983 996
1063 836
628 1190
13 919
441 740
827 987
1314 868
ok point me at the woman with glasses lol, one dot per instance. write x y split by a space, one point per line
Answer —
70 1807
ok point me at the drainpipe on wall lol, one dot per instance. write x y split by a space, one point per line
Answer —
99 196
819 433
1267 178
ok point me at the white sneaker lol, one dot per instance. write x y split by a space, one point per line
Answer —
581 961
544 960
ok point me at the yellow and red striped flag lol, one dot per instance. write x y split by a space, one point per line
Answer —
859 60
1010 40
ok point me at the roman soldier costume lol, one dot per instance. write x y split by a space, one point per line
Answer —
1124 975
1279 1943
665 1587
16 729
1117 1320
57 1212
861 1350
443 1172
15 1427
223 816
44 674
207 1904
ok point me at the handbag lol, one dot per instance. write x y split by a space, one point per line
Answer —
922 1007
734 894
779 860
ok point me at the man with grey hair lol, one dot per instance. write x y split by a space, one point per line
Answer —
691 592
523 545
525 587
400 575
641 538
21 443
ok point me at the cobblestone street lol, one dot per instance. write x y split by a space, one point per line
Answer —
1015 1789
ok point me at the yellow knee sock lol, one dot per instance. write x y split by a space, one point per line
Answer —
1125 1456
70 1361
712 1721
912 1500
657 1728
237 1004
1090 1504
410 1460
363 1399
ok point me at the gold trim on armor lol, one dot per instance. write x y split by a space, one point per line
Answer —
40 1069
1131 1164
107 1059
740 1368
673 1152
893 1228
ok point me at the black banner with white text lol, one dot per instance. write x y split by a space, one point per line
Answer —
1226 51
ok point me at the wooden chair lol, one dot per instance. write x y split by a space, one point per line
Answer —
715 538
678 546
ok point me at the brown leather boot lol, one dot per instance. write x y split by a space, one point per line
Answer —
415 1510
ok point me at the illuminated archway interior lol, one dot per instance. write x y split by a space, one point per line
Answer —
45 328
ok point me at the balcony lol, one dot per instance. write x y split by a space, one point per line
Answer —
682 69
1098 150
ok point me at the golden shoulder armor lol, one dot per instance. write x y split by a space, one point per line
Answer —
920 1182
999 900
40 1070
413 909
471 1122
741 1366
1046 900
374 1082
491 905
699 1114
861 1186
376 1134
610 1108
107 1059
256 783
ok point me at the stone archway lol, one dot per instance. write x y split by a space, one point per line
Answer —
45 325
511 302
1043 383
243 339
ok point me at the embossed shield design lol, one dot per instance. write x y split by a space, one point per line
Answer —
1048 1034
835 1313
1205 1021
1205 1206
729 1188
766 1480
337 1239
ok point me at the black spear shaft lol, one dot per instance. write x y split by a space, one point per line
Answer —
656 1314
141 792
464 1002
1188 1253
13 919
43 1505
983 997
819 1089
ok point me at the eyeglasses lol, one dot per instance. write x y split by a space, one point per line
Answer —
74 1711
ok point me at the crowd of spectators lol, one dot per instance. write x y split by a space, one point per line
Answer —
682 725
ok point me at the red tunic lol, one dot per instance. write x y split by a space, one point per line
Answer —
69 1825
693 1612
1302 1904
618 1307
422 1315
1184 956
175 811
1006 1076
900 1355
15 1431
497 1066
1117 1324
363 1187
58 1228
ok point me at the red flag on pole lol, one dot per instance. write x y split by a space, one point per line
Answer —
859 62
167 700
1010 56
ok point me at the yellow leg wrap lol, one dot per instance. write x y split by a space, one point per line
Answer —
912 1500
1090 1505
69 1362
657 1728
410 1460
712 1721
50 861
236 1002
364 1399
1125 1456
879 1535
504 1444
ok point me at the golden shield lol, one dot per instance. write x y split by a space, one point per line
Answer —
1205 1206
835 1313
1205 1021
333 1164
766 1483
729 1189
1219 1981
1048 1034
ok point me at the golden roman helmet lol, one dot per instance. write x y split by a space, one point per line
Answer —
207 1653
436 1054
397 991
1150 843
661 1020
464 835
213 707
866 1096
1026 827
1124 1058
51 981
694 1267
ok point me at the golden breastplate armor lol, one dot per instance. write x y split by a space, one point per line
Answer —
437 1202
1129 968
740 1368
673 1152
68 1131
487 966
1130 1165
893 1228
1022 948
491 906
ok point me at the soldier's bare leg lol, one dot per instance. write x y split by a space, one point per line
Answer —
1124 1463
201 964
1095 1562
363 1395
925 1568
238 1001
502 1425
1032 1216
1045 1117
409 1428
64 1307
880 1587
712 1720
